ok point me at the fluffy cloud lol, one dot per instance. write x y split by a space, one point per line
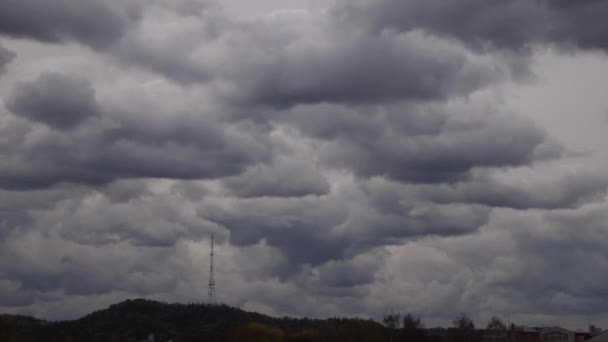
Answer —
439 151
110 141
60 101
309 60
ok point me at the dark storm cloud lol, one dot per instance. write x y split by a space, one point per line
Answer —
278 63
429 148
122 141
58 100
95 23
294 225
498 24
363 69
347 157
106 160
338 226
580 23
6 56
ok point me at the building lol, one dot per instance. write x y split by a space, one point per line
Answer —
557 334
524 334
495 335
594 331
547 334
602 337
582 336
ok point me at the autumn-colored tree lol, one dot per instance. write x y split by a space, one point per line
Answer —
257 332
307 335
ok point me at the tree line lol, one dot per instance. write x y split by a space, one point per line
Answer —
134 320
410 328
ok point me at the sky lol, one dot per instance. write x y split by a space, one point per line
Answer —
351 157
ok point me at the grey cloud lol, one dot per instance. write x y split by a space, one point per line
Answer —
126 211
121 191
192 190
448 154
294 225
71 270
41 199
363 69
504 24
311 61
290 178
358 271
570 190
58 100
567 26
6 56
146 222
152 47
338 225
359 169
483 24
117 247
414 220
95 23
107 160
12 220
122 141
531 263
12 295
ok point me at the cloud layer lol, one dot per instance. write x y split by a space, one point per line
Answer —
349 160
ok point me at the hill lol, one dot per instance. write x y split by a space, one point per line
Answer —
135 320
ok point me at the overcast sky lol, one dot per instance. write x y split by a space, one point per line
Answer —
352 157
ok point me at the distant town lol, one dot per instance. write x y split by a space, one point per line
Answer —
410 328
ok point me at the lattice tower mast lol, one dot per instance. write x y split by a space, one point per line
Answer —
211 299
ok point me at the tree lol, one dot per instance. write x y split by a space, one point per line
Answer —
257 332
464 329
463 322
496 323
391 321
412 328
4 330
496 329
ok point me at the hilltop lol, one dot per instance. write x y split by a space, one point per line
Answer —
135 320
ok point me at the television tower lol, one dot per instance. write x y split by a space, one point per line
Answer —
211 300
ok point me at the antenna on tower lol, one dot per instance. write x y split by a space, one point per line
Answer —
211 300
